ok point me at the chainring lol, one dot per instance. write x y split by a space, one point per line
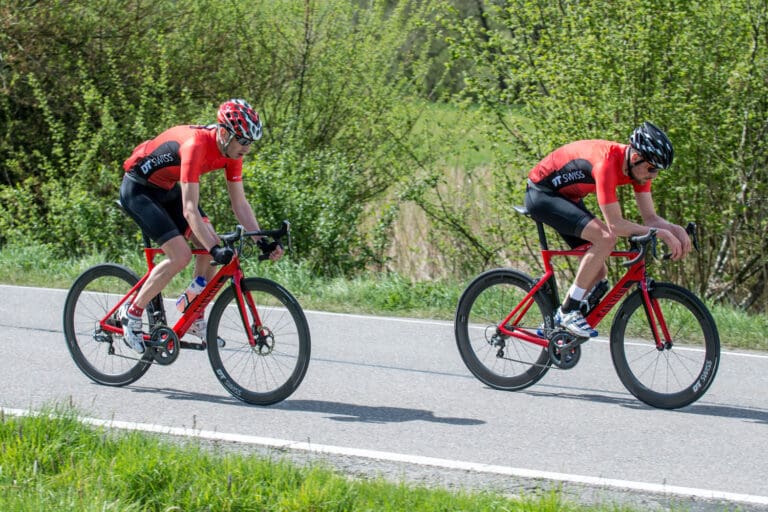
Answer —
564 349
165 345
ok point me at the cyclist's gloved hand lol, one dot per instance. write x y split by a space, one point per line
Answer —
222 255
266 246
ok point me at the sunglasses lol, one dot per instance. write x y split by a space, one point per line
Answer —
243 141
652 169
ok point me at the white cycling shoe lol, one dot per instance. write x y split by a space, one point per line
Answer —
575 323
132 333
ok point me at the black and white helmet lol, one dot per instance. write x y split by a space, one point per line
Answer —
653 145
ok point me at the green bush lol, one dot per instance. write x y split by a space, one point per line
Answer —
577 70
82 85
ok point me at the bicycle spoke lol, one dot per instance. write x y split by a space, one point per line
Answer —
683 369
503 362
102 356
273 367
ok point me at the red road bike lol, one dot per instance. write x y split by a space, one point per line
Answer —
262 347
664 342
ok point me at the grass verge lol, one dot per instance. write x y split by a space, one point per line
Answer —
54 462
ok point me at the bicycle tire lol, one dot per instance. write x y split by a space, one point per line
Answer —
261 375
669 378
103 357
486 301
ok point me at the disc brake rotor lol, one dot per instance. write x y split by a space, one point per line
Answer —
265 340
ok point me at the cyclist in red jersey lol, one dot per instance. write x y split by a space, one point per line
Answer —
555 195
161 192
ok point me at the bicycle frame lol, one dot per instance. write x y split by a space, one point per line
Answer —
231 270
635 274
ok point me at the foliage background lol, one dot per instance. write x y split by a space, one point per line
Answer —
394 129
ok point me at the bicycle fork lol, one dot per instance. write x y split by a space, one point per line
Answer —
247 308
655 317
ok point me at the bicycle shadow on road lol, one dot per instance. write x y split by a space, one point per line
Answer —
338 411
587 397
192 396
753 414
728 411
370 414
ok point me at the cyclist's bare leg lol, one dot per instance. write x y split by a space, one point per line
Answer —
592 267
203 265
177 257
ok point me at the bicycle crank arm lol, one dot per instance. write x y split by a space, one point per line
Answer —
572 344
193 346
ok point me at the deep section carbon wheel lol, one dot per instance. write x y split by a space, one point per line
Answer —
678 373
500 361
271 369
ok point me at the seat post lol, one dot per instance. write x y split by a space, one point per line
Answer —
147 240
551 287
542 236
539 227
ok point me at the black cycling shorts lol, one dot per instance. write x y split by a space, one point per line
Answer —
158 212
567 218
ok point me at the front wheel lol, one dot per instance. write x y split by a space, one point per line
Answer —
271 369
500 361
678 373
100 354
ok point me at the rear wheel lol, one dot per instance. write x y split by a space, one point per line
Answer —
103 356
682 370
273 368
502 362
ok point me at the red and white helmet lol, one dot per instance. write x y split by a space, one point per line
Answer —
240 119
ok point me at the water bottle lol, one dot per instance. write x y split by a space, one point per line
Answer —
595 295
192 291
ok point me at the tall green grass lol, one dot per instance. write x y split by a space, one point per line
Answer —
56 463
388 294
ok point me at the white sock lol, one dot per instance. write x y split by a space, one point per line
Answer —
577 293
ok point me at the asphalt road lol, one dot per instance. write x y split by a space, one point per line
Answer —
392 396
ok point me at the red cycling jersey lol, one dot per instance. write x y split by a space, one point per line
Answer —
583 167
181 153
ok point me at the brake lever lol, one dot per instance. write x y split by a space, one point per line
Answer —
267 248
691 230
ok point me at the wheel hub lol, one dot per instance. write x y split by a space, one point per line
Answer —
265 340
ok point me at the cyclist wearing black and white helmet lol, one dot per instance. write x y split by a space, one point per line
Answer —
161 192
555 195
653 145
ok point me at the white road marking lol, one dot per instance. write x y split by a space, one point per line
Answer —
416 460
